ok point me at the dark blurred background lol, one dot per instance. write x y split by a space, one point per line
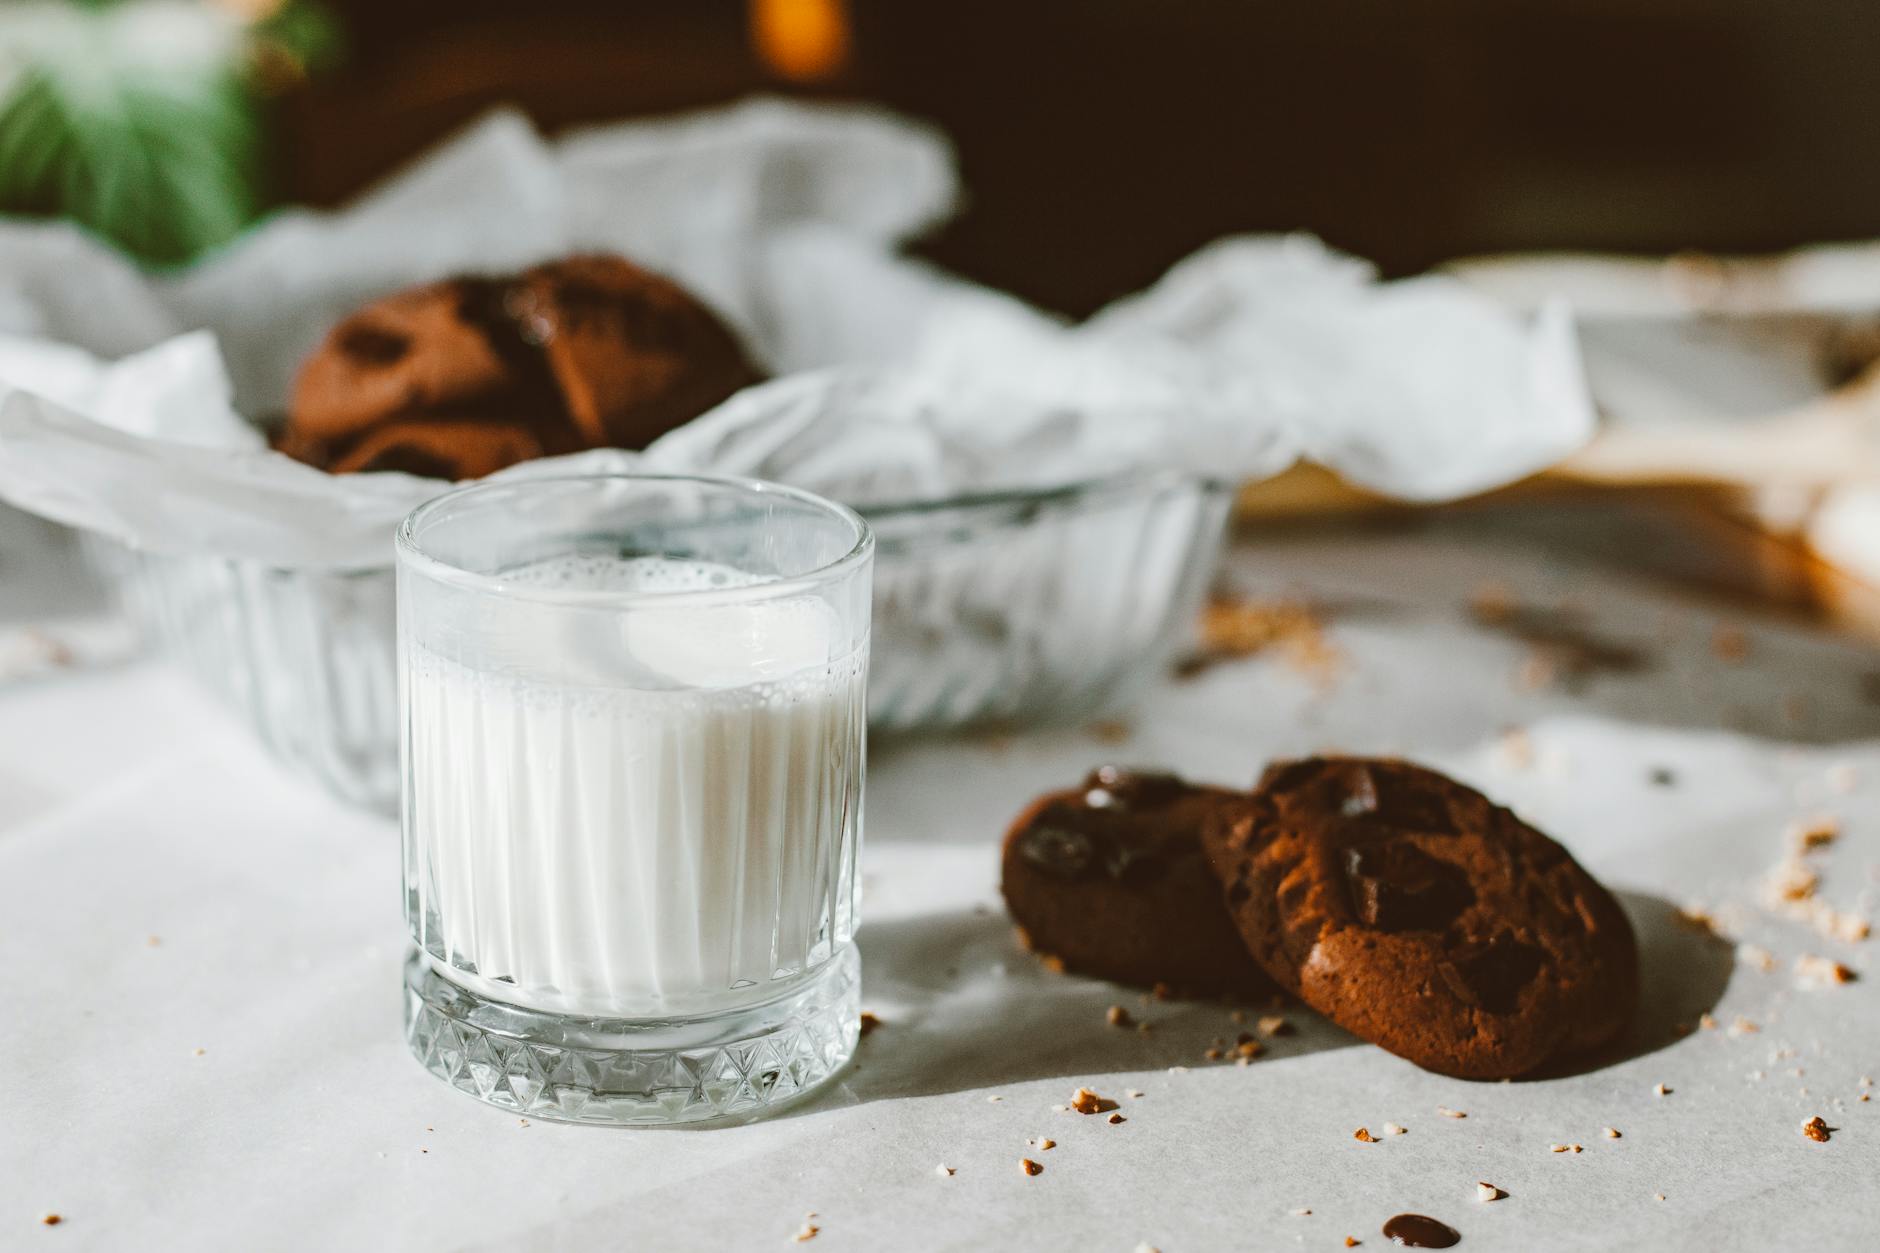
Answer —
1101 140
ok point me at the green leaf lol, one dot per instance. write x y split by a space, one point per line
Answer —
163 160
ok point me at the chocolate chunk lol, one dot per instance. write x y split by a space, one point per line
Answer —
1077 842
1397 887
371 345
1420 1231
1119 786
1492 973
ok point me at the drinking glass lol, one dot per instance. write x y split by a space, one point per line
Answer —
633 745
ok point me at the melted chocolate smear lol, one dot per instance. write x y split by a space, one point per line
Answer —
1117 787
487 306
1073 842
1420 1231
1396 886
373 346
1491 974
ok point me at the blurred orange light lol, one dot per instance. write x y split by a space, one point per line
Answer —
801 40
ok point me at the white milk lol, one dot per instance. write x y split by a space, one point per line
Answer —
661 819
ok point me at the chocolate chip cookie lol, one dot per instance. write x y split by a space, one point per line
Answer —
1416 913
1110 880
463 377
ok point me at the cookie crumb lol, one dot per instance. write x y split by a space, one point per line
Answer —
1084 1101
1135 1094
1697 918
1146 1247
1238 1016
1274 1025
1660 1090
1052 962
1030 1167
52 1220
153 941
1364 1134
1756 956
1214 1055
1822 971
1815 832
1247 1050
810 1232
1658 1196
1790 881
1301 1213
1143 1027
1611 1133
1816 1129
1117 1016
1392 1129
1446 1112
869 1023
1517 748
1233 628
199 1052
1707 1022
1486 1192
1743 1026
1116 1118
993 1100
1352 1242
1162 992
1848 928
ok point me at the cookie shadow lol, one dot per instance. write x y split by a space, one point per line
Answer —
964 1007
1683 971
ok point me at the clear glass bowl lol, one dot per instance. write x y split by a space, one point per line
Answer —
1035 606
1010 608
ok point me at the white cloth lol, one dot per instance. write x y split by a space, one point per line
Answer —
130 809
896 381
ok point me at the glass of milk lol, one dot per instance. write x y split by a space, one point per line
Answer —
633 741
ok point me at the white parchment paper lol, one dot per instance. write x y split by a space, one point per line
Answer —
893 380
130 809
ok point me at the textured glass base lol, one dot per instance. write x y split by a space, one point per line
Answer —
633 1071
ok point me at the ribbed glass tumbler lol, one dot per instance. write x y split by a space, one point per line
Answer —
634 722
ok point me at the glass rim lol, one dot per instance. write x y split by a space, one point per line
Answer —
413 555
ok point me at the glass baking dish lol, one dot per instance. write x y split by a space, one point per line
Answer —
1009 608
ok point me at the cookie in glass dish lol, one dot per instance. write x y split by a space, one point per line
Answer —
461 378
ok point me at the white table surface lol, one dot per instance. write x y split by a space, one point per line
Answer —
199 973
